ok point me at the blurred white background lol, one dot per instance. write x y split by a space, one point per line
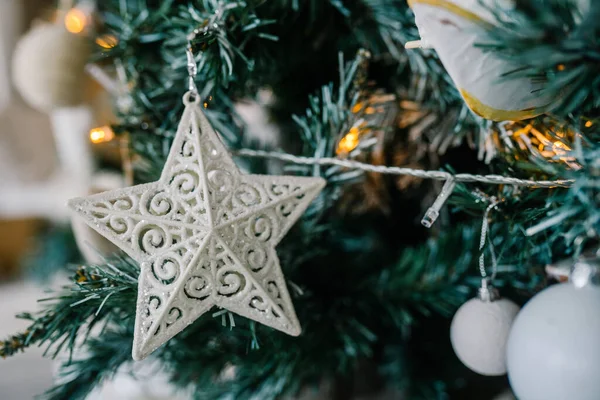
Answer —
27 157
28 374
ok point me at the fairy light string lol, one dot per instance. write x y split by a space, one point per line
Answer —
418 173
450 179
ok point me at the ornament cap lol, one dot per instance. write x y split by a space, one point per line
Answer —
487 292
585 272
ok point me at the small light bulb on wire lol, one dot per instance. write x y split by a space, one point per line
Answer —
548 139
101 134
107 41
75 20
349 141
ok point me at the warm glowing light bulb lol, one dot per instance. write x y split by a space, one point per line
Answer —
101 134
75 20
560 148
349 142
523 131
357 107
107 41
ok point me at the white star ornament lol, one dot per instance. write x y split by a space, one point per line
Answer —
204 235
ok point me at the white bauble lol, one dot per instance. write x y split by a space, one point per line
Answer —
479 332
553 350
48 67
452 28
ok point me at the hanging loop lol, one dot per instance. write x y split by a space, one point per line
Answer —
190 98
485 234
487 292
192 68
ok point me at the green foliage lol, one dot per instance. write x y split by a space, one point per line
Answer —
290 47
96 296
572 217
105 354
267 363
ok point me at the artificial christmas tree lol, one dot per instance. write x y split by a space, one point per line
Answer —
388 251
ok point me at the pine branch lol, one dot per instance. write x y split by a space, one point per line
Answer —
337 338
20 341
266 363
572 218
152 38
104 355
96 296
238 52
539 226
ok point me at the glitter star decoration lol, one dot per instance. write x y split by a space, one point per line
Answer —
204 235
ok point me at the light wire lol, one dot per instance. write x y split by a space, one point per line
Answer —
418 173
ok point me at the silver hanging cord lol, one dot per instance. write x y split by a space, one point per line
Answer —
192 67
487 292
485 234
211 25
